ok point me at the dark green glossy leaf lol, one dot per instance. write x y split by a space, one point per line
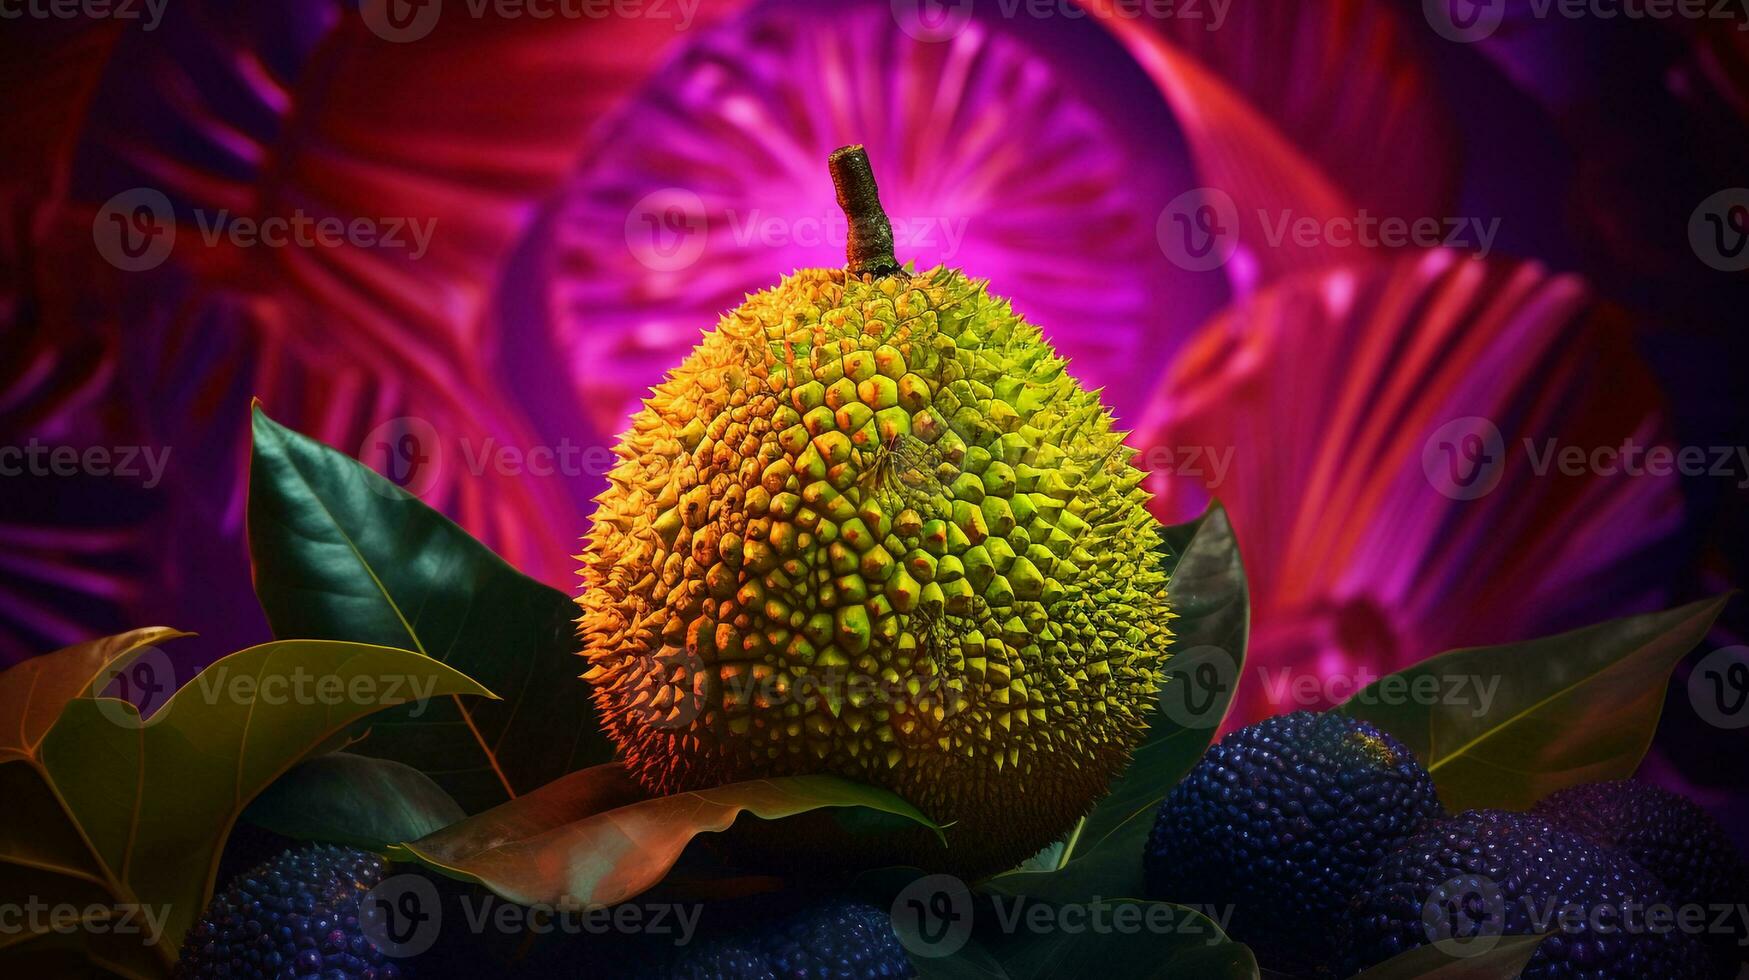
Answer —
341 553
1212 603
1575 708
1505 961
594 838
341 798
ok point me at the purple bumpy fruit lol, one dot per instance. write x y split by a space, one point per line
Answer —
1280 821
1489 873
294 916
1676 841
782 936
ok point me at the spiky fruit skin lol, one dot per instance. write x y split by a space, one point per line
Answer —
1538 869
1280 821
296 915
871 527
781 937
1677 841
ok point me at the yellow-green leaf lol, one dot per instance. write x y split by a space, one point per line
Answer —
106 809
1536 717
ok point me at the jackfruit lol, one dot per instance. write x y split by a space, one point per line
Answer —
871 526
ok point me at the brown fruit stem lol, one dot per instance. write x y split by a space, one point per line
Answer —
868 248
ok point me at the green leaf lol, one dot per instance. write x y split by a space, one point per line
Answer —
1505 961
42 851
341 553
106 808
1190 945
1575 708
594 838
343 798
1213 607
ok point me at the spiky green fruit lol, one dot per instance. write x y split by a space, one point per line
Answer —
872 527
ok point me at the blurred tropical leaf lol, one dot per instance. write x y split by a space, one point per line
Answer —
342 553
1580 707
341 798
106 808
1331 403
594 837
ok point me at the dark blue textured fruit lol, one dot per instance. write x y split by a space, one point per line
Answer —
788 936
295 916
1676 841
1279 822
1491 873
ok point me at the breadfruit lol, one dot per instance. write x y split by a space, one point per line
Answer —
298 914
871 526
1492 873
777 936
1279 822
1677 841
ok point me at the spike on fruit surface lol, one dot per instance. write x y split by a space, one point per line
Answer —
879 487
